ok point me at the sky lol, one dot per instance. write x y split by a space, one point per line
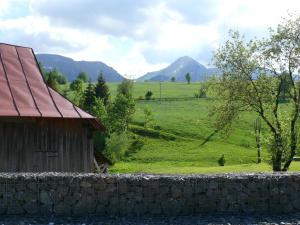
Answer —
136 36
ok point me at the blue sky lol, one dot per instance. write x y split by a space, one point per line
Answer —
136 36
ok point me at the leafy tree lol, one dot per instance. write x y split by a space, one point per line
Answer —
101 89
83 76
116 146
148 95
126 88
285 88
99 110
173 79
77 86
116 117
56 75
120 113
253 73
202 92
89 97
52 81
149 118
188 78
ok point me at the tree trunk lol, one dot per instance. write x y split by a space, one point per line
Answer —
277 155
293 150
258 153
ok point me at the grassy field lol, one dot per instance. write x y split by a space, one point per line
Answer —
194 146
168 89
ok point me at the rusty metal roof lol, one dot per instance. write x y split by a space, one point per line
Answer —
24 93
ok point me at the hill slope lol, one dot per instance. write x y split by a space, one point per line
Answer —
72 68
179 69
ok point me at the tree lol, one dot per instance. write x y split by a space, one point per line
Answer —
83 76
89 97
148 95
126 87
101 89
149 118
120 113
77 87
121 110
188 78
116 146
56 75
99 110
116 117
253 73
52 81
173 79
203 90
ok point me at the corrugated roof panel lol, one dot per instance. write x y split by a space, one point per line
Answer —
83 113
2 74
6 101
13 68
29 65
43 100
23 91
23 99
65 107
7 106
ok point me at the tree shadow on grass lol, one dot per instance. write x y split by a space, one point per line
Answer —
209 137
134 147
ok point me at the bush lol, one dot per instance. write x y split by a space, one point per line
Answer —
148 95
116 146
221 160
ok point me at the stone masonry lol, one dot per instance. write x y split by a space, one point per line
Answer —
140 195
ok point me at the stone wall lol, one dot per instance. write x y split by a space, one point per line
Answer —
137 195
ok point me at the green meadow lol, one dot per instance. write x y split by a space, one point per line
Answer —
184 139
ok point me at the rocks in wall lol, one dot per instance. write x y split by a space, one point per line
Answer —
137 195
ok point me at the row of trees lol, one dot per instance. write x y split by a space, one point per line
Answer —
187 78
53 78
115 113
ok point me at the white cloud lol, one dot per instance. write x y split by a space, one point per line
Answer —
4 6
137 36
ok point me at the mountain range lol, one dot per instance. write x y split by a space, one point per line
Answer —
178 69
71 68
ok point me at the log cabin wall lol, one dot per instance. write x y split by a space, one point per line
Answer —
42 145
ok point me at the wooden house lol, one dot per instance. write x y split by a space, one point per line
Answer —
40 130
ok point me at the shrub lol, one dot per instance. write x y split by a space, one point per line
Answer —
116 146
148 95
221 160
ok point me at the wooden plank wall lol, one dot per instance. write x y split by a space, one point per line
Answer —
43 145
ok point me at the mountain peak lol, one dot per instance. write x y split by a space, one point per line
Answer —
185 58
178 69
